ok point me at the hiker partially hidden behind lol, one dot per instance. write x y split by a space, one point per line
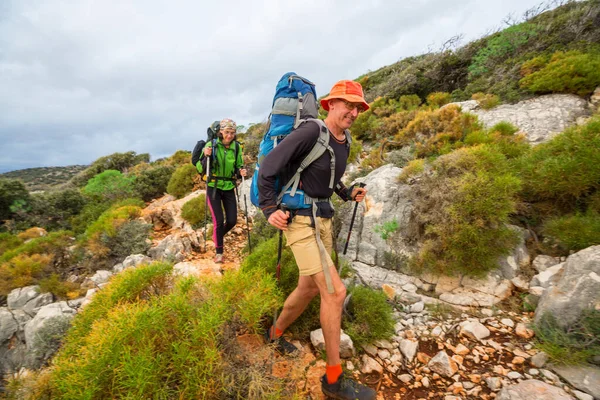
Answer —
226 165
344 103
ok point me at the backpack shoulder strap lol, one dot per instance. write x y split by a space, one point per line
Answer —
320 146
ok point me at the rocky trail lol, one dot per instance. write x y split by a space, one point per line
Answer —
438 352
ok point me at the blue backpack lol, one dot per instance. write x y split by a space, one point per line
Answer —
295 101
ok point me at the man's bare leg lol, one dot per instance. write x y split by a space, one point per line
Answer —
297 302
331 313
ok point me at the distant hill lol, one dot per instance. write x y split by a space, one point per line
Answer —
44 178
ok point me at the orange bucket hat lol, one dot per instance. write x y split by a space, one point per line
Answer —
348 90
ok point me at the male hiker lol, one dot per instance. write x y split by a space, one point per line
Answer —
303 233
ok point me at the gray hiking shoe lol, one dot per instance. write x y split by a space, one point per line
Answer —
281 345
219 258
347 389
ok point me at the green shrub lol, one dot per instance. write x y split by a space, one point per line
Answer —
372 316
152 183
570 72
261 230
409 102
107 236
11 191
8 242
438 99
565 169
131 238
575 344
386 229
463 207
89 213
182 181
413 168
504 128
501 46
179 344
121 162
355 150
574 232
486 101
23 270
109 186
193 211
52 209
60 288
54 244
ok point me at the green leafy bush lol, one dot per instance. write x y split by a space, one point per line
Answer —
564 72
11 191
8 242
409 102
486 101
575 344
413 168
193 211
372 317
52 209
182 181
463 207
501 46
574 232
110 186
121 162
565 169
438 99
152 183
130 238
179 344
101 237
23 270
261 230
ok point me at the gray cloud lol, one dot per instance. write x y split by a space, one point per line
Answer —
83 79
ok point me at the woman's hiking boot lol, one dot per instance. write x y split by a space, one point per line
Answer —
219 258
346 389
281 345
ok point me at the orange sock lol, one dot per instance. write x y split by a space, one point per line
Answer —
278 333
333 373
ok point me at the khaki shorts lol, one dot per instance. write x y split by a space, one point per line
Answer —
303 242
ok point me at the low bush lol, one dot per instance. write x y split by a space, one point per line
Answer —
193 211
413 168
152 182
564 170
23 270
8 242
109 186
438 99
182 181
486 101
573 232
179 344
575 344
462 208
371 316
563 72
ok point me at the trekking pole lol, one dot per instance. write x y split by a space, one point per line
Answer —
360 185
206 197
278 268
246 212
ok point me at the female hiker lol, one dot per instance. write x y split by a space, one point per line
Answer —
226 165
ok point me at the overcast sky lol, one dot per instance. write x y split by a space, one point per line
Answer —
80 79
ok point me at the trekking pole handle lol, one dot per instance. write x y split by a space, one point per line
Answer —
360 185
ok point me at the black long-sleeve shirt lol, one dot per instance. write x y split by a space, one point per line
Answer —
284 160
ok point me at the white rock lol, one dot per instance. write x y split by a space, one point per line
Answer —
409 347
369 365
474 330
